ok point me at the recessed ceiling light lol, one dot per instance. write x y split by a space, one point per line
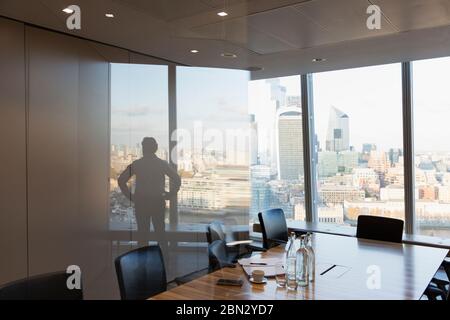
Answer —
109 15
319 60
222 14
194 51
229 55
68 11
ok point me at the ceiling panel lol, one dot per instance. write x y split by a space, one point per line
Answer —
290 26
239 32
234 8
171 9
415 14
345 19
260 35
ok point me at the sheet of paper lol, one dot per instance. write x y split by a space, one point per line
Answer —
268 265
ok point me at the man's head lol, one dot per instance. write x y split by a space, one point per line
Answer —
149 146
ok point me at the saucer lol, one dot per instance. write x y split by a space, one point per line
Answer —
264 281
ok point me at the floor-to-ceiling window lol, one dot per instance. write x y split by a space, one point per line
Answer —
240 143
213 149
139 109
358 122
432 146
277 171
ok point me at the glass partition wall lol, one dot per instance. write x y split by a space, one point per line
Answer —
139 142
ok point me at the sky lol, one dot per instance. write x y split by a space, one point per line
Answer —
217 97
432 104
371 97
139 104
223 99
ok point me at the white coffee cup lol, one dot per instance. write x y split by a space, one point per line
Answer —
258 275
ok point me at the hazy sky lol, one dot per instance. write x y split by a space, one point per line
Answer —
432 104
370 96
139 103
217 97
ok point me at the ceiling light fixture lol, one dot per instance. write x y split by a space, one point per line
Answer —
229 55
194 51
109 15
68 11
319 60
222 14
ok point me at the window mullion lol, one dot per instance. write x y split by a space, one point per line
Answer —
309 153
408 147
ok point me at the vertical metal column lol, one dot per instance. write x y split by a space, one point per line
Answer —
408 147
173 216
309 147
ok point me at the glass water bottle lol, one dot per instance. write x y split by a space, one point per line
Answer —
302 264
311 257
291 259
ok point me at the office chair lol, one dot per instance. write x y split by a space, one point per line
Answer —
51 286
273 226
439 287
433 292
218 256
379 228
236 249
141 273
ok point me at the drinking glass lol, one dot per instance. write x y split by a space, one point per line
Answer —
280 274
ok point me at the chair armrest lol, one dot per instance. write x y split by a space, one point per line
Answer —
441 284
238 243
432 293
227 265
256 246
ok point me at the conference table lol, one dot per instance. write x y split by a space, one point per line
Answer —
347 268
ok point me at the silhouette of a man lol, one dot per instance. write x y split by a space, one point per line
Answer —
150 194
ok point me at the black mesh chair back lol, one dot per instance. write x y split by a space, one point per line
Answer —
215 232
218 256
51 286
380 228
273 226
141 273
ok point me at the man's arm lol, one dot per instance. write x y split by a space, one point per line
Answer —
123 182
175 180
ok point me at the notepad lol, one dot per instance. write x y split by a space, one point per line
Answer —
268 265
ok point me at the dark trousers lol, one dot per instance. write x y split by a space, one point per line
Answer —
151 211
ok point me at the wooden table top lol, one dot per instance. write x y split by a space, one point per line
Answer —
405 271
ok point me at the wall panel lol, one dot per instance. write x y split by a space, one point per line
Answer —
68 159
13 219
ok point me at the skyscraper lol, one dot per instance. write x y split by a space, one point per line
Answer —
277 92
254 159
338 131
394 156
290 143
367 148
378 161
